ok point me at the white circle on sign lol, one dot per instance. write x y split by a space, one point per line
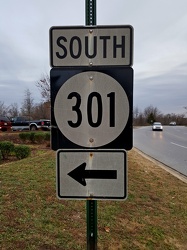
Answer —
91 109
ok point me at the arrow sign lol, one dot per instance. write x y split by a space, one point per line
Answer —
91 173
80 174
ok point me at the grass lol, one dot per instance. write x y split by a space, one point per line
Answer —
153 217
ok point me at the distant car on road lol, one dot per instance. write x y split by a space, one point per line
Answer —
5 123
172 124
157 126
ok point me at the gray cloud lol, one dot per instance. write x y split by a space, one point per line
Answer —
160 51
166 92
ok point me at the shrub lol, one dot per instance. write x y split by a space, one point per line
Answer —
6 148
48 139
22 151
1 157
27 136
39 137
47 136
31 136
24 136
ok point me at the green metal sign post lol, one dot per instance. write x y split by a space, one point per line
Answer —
91 224
91 206
90 12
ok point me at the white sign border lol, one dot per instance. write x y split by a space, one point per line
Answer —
92 197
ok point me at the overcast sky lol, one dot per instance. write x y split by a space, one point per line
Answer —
160 46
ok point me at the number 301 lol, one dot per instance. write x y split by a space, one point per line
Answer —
91 97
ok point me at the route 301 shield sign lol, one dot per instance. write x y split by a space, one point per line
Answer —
91 108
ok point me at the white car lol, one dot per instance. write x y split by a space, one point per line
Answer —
157 126
172 124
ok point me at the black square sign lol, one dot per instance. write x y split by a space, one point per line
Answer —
91 108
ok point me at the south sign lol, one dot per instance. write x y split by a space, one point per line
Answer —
91 46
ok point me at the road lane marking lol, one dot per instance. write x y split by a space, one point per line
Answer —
178 145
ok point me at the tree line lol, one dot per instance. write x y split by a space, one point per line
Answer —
28 108
152 114
42 110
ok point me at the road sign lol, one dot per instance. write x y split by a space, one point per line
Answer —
91 46
91 108
94 174
88 105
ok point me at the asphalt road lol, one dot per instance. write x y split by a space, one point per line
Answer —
168 146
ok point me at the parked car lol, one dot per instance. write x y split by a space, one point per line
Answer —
157 126
5 123
172 124
21 123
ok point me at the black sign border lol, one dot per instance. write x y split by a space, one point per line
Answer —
123 75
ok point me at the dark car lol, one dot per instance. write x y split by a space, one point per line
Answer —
5 123
21 123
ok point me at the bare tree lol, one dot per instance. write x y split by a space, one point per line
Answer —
13 110
44 86
28 104
41 110
136 116
2 108
152 114
135 112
